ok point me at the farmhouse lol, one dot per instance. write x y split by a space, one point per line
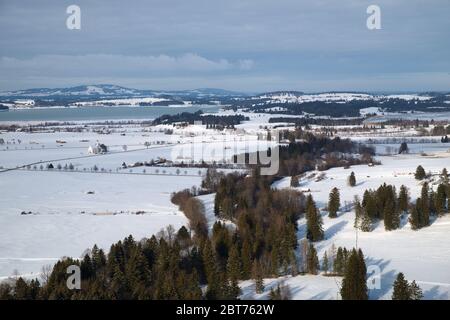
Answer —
98 148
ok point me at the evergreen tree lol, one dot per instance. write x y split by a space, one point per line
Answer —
441 199
275 294
211 272
358 212
325 263
403 148
352 179
362 265
366 223
338 266
312 260
21 290
444 176
370 205
391 216
387 216
246 257
420 173
432 202
354 286
234 271
314 230
416 216
294 181
119 286
334 203
282 292
415 291
425 205
258 277
403 199
401 288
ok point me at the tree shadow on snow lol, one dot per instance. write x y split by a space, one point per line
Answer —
324 295
301 231
334 229
386 278
435 294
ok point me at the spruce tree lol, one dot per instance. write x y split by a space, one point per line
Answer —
362 265
334 203
338 266
234 271
352 179
401 288
416 216
312 260
211 272
258 277
432 201
420 173
354 286
366 223
444 176
314 231
441 199
246 257
403 148
358 212
415 291
294 181
325 263
425 205
403 199
388 213
21 290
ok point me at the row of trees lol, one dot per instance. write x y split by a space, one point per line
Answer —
319 152
403 290
166 266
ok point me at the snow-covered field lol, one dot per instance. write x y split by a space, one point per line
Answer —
66 220
73 209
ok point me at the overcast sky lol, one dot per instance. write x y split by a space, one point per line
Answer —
244 45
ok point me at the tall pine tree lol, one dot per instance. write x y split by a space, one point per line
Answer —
401 288
334 203
354 286
403 199
314 230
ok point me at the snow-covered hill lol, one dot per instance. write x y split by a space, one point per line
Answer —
109 90
85 90
421 255
338 97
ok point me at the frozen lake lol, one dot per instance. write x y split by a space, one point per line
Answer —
98 113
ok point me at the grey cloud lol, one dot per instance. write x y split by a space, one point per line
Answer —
283 43
110 65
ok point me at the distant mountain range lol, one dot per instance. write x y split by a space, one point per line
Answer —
280 102
109 91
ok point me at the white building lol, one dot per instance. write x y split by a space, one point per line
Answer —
98 148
